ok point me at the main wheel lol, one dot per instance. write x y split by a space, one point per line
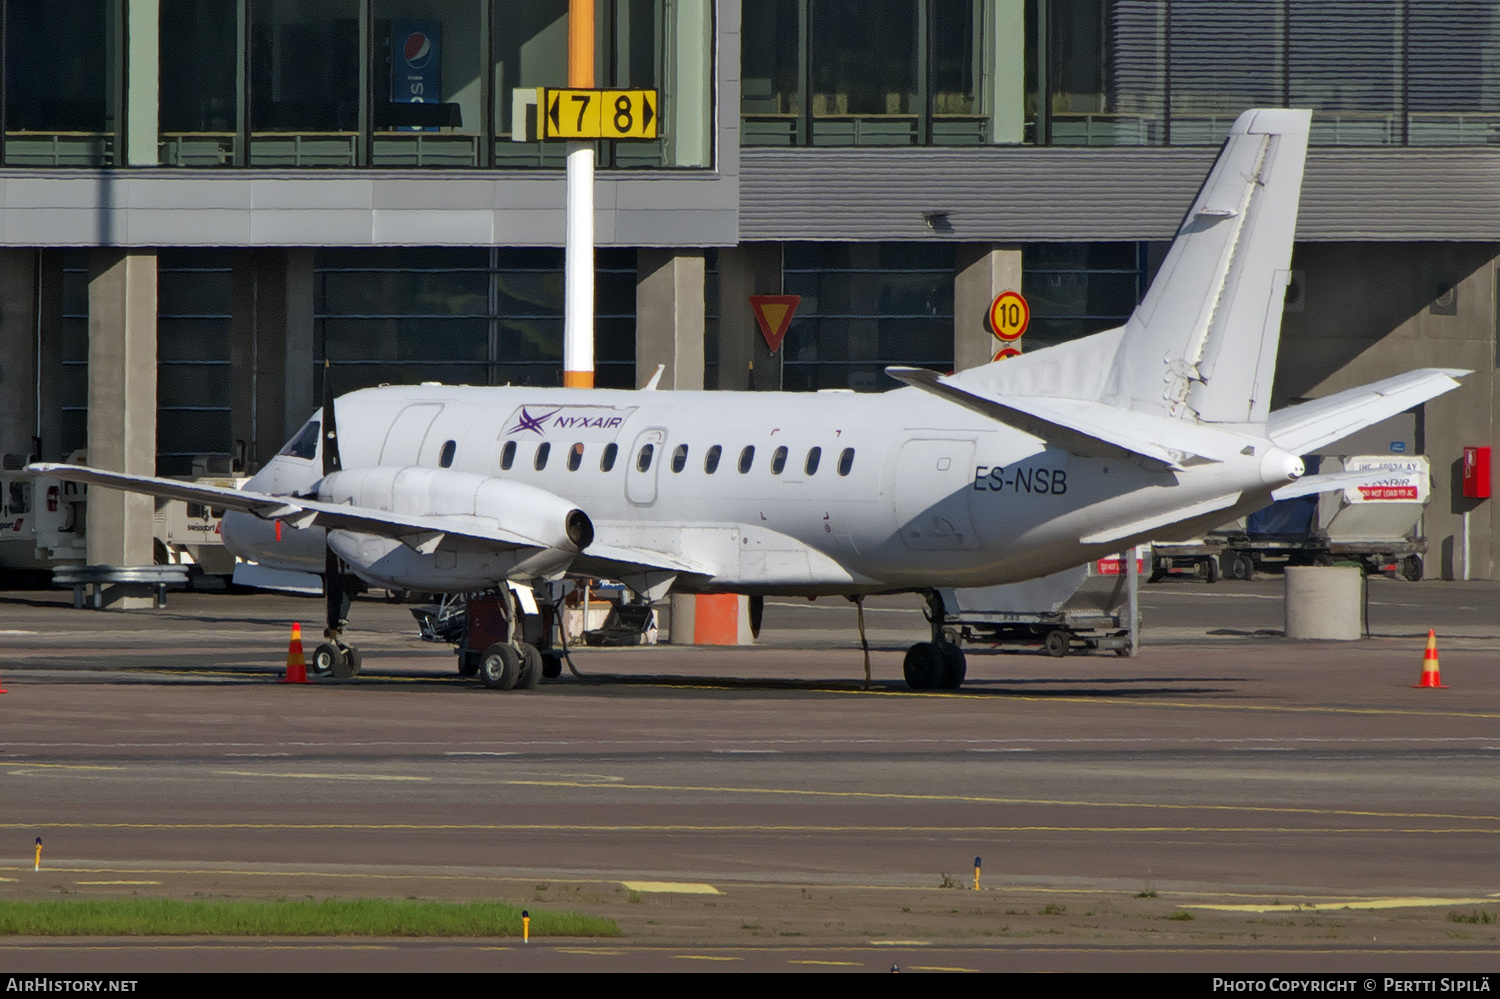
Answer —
351 662
531 668
1241 565
500 668
923 666
1057 643
327 660
955 665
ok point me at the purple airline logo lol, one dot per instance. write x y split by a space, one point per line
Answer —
533 423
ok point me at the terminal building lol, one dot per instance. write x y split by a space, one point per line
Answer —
202 201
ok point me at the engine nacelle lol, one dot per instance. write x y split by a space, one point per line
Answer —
558 529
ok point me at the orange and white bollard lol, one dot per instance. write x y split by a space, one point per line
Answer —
296 662
1431 675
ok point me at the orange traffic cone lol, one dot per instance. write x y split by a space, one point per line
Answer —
1431 677
296 663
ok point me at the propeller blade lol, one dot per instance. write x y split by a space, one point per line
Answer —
331 462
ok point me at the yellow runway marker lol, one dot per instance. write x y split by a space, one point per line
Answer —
704 957
900 943
1368 903
679 887
117 882
317 776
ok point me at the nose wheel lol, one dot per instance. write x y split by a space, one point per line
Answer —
337 660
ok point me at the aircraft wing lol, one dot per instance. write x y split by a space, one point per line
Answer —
1087 429
423 533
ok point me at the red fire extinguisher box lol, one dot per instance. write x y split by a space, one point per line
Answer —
1477 472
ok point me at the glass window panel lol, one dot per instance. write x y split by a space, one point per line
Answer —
530 45
1453 76
73 385
198 106
194 293
531 294
351 376
1224 58
192 339
427 82
535 340
863 73
1345 63
195 432
376 293
304 83
1107 68
423 340
61 64
770 103
193 385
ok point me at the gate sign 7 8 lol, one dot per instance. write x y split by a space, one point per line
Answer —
597 114
1009 315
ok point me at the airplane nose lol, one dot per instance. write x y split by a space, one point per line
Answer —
1279 467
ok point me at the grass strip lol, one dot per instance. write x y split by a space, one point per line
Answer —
359 917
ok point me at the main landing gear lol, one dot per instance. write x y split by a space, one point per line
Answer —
939 664
495 648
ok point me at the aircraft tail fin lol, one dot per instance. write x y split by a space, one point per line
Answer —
1202 343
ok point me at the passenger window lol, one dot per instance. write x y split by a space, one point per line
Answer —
508 456
711 459
542 450
747 458
607 459
445 459
643 460
846 461
813 457
679 458
778 461
575 457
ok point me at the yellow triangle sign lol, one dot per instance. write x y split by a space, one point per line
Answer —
774 314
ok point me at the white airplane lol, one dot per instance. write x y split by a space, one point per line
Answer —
1159 429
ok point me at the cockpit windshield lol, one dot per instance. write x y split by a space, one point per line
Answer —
305 444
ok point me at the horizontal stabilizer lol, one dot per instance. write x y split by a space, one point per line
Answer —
1087 429
1305 428
1154 523
1312 484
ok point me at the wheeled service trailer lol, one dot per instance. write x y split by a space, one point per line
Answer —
1080 610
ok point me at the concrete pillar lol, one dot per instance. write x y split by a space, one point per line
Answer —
297 373
745 361
122 407
50 356
1004 70
669 317
1370 310
981 271
18 353
257 335
1324 602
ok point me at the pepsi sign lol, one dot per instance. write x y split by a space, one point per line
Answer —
416 63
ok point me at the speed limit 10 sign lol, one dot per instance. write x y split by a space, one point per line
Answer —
1009 315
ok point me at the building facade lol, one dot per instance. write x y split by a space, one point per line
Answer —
202 201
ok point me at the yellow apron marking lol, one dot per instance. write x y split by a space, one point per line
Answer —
680 887
704 957
316 776
836 964
1368 903
117 882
